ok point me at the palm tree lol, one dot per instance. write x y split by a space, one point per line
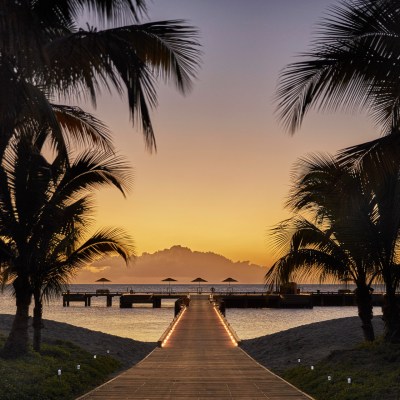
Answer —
340 242
66 254
354 64
386 193
45 207
46 54
60 251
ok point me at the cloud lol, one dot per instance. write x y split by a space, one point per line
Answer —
96 268
178 262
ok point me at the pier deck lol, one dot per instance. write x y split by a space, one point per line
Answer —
199 361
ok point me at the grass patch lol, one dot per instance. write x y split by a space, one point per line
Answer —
374 370
35 376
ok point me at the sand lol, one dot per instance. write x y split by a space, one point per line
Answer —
310 343
278 351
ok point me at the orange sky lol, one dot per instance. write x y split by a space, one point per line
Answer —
222 171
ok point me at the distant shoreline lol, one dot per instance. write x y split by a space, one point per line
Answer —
277 351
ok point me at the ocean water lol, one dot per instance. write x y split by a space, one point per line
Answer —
145 323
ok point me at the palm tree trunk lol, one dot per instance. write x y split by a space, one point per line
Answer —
17 343
365 311
391 316
37 322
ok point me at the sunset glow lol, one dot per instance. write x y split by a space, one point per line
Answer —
222 171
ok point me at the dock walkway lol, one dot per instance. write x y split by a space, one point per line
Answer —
199 361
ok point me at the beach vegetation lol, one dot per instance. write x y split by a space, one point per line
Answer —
36 376
369 371
46 209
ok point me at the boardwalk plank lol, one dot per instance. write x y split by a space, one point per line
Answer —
199 361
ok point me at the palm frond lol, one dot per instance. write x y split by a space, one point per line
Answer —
171 48
375 158
118 11
83 127
92 170
305 264
130 58
353 65
111 241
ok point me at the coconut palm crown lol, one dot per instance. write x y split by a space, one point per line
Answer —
353 64
47 52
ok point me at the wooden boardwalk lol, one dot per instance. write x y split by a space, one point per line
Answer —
199 361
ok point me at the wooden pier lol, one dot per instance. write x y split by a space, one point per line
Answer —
261 300
227 299
126 300
302 300
70 297
198 360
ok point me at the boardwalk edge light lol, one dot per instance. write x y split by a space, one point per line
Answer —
168 332
231 333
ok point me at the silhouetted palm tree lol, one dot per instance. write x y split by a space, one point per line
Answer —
386 193
340 243
45 207
66 253
46 53
354 64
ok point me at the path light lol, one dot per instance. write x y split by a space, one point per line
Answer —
78 367
59 373
108 351
312 367
329 378
95 356
299 360
349 381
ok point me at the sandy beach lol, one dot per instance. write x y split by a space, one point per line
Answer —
310 343
278 351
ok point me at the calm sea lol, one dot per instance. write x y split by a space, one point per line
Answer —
147 324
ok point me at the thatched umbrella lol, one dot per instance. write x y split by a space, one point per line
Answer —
199 280
229 280
169 280
103 280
